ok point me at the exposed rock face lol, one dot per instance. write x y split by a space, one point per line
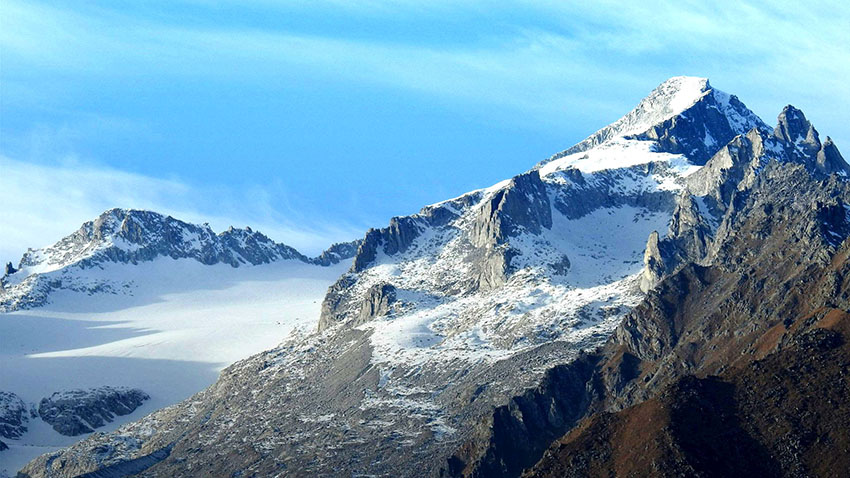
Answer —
341 301
705 126
467 379
335 301
337 253
675 433
131 236
655 263
391 240
802 141
586 193
13 415
794 129
402 231
517 433
522 206
76 412
829 159
689 236
715 189
379 298
734 167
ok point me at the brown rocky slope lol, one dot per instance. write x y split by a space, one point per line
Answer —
737 367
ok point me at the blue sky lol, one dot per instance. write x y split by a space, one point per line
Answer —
314 120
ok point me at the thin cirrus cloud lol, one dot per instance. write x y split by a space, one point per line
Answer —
42 204
521 66
524 70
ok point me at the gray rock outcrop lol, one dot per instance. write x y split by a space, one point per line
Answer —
378 301
14 415
704 209
76 412
132 236
802 142
710 121
522 206
702 128
337 253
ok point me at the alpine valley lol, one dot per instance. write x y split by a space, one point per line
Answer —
668 297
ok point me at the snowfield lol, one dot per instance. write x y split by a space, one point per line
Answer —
173 325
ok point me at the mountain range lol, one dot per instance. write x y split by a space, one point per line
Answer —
675 278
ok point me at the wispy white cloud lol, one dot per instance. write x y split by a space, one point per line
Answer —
584 52
523 70
43 203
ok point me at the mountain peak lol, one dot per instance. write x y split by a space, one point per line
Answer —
136 235
668 99
677 94
683 115
793 127
798 133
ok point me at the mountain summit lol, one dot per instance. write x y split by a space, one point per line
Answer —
683 115
459 343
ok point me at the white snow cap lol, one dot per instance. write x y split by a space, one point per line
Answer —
667 100
608 148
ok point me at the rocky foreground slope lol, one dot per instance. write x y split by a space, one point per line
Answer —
738 368
465 339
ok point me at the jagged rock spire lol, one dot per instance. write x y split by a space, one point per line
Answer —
793 127
804 144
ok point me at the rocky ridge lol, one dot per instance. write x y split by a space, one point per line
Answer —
14 415
129 236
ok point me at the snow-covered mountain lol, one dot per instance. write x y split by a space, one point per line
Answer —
143 301
553 253
128 236
431 349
